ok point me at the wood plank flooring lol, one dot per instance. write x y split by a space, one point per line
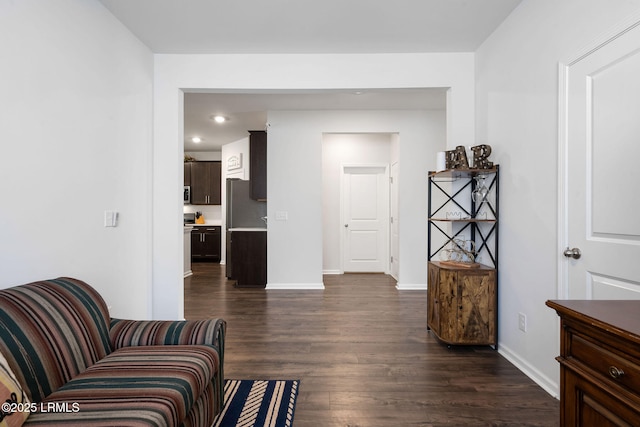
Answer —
364 355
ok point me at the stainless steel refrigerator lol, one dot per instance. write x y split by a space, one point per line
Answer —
242 210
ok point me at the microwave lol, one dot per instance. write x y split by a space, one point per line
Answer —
187 194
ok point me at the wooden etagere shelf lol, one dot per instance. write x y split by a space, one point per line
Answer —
462 220
462 250
463 173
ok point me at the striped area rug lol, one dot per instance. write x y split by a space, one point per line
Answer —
252 403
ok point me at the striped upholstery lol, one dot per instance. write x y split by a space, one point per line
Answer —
157 332
125 333
203 413
59 340
167 378
51 331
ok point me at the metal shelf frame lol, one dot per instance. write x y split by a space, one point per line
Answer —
483 231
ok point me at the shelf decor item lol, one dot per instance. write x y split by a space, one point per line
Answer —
479 194
457 158
481 155
461 253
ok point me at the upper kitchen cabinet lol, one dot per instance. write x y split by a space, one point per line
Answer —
258 164
206 183
187 173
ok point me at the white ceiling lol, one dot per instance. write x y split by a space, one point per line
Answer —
304 26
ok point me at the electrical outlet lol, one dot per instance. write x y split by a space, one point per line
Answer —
522 322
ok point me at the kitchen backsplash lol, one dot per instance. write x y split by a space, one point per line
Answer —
211 213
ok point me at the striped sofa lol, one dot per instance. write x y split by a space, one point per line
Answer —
78 366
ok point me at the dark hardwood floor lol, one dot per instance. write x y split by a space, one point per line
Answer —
364 355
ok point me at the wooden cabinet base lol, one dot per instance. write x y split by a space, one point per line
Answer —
205 244
247 254
462 304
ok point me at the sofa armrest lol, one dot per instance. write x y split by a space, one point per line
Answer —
127 333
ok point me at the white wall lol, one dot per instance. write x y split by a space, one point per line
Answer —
282 72
75 111
364 148
516 105
295 146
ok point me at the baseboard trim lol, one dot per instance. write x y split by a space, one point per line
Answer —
295 286
188 273
542 380
331 272
411 286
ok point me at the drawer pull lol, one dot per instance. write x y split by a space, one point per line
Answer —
615 372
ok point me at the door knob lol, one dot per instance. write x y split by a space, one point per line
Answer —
572 253
346 225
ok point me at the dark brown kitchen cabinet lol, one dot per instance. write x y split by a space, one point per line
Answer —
206 183
247 258
187 173
258 164
462 303
205 243
599 362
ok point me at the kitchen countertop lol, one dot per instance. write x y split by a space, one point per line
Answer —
206 224
248 229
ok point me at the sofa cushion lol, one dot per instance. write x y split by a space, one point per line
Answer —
125 333
154 385
52 330
15 405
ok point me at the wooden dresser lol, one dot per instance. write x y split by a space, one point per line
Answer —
599 362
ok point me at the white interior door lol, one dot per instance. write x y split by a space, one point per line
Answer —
603 174
393 222
365 207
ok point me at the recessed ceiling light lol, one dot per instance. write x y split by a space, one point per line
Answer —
196 139
219 119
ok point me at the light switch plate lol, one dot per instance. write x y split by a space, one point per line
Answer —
110 219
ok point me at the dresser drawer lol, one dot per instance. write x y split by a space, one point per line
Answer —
594 356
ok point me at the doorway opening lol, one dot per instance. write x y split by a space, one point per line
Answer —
357 183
